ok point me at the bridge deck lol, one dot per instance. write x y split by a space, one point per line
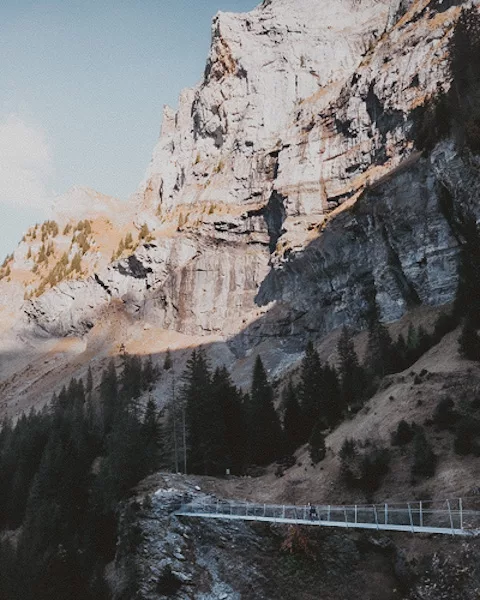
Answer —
415 517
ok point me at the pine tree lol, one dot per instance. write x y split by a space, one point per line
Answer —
309 388
331 401
204 418
151 437
464 53
379 358
229 398
401 352
109 395
293 422
424 459
469 341
467 301
149 373
89 386
263 424
131 377
167 364
352 377
316 444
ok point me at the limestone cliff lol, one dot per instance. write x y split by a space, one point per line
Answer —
286 188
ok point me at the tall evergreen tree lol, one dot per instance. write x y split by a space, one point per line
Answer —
263 423
109 395
151 437
131 380
352 376
316 443
293 423
229 398
310 386
469 341
401 352
331 401
89 386
168 362
204 418
380 355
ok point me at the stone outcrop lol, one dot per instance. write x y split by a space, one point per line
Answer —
286 189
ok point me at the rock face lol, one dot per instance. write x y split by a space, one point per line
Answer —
286 191
160 555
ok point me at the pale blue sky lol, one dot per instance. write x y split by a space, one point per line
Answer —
82 86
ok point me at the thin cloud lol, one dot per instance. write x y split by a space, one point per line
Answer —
26 164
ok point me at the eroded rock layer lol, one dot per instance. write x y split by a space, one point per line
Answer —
286 189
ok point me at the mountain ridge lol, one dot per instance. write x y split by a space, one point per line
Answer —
246 222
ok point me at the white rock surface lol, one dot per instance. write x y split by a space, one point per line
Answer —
303 105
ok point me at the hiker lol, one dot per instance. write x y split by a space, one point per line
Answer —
312 512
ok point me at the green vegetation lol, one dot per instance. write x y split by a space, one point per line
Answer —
404 434
424 459
67 509
456 112
316 444
364 467
144 233
128 244
48 229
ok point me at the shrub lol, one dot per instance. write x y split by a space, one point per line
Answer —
316 444
424 459
403 434
76 264
469 341
465 436
444 415
296 541
144 232
128 240
364 469
443 325
375 465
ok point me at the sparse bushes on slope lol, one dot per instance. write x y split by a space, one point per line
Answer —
466 434
424 459
403 434
457 111
364 468
66 507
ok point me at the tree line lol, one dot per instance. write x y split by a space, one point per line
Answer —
63 471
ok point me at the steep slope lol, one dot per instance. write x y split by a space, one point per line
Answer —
284 192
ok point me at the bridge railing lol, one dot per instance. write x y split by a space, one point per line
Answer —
455 515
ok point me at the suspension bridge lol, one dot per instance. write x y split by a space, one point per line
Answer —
459 517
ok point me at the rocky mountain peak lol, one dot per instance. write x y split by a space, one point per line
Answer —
285 189
261 65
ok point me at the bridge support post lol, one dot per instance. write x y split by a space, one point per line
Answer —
346 517
386 514
328 513
356 514
376 516
283 511
421 514
460 506
451 517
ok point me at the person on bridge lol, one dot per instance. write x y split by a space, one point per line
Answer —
312 512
